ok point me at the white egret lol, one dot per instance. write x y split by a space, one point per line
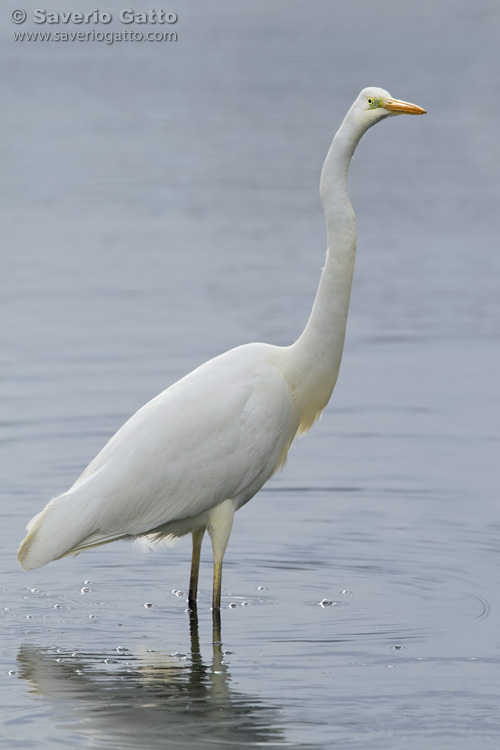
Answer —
191 457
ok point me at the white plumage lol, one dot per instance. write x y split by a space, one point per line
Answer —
211 436
188 459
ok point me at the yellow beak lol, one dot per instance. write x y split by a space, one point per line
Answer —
403 108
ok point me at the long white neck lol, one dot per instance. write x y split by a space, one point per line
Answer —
315 357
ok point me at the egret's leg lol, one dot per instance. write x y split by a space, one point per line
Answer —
195 566
219 528
216 631
217 584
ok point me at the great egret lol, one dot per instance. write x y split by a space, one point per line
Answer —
188 459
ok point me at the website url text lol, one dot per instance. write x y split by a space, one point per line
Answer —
108 37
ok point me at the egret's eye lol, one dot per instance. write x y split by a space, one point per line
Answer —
372 103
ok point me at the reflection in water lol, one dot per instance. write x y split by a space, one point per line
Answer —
149 700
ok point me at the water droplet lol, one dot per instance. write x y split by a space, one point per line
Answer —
327 603
180 593
245 604
346 591
174 592
6 609
390 666
148 605
120 648
397 647
57 606
35 591
261 588
92 617
87 583
12 672
85 590
232 605
29 617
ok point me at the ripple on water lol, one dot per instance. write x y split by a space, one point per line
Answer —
483 608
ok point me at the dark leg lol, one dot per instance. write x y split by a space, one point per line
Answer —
217 585
195 567
216 628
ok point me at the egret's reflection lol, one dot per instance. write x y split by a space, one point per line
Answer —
149 700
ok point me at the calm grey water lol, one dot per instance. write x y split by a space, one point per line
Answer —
160 205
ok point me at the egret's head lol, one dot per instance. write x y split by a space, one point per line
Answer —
374 104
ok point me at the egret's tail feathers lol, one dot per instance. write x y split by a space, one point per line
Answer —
94 540
62 528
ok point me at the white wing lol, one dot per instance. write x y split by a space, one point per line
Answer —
218 433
